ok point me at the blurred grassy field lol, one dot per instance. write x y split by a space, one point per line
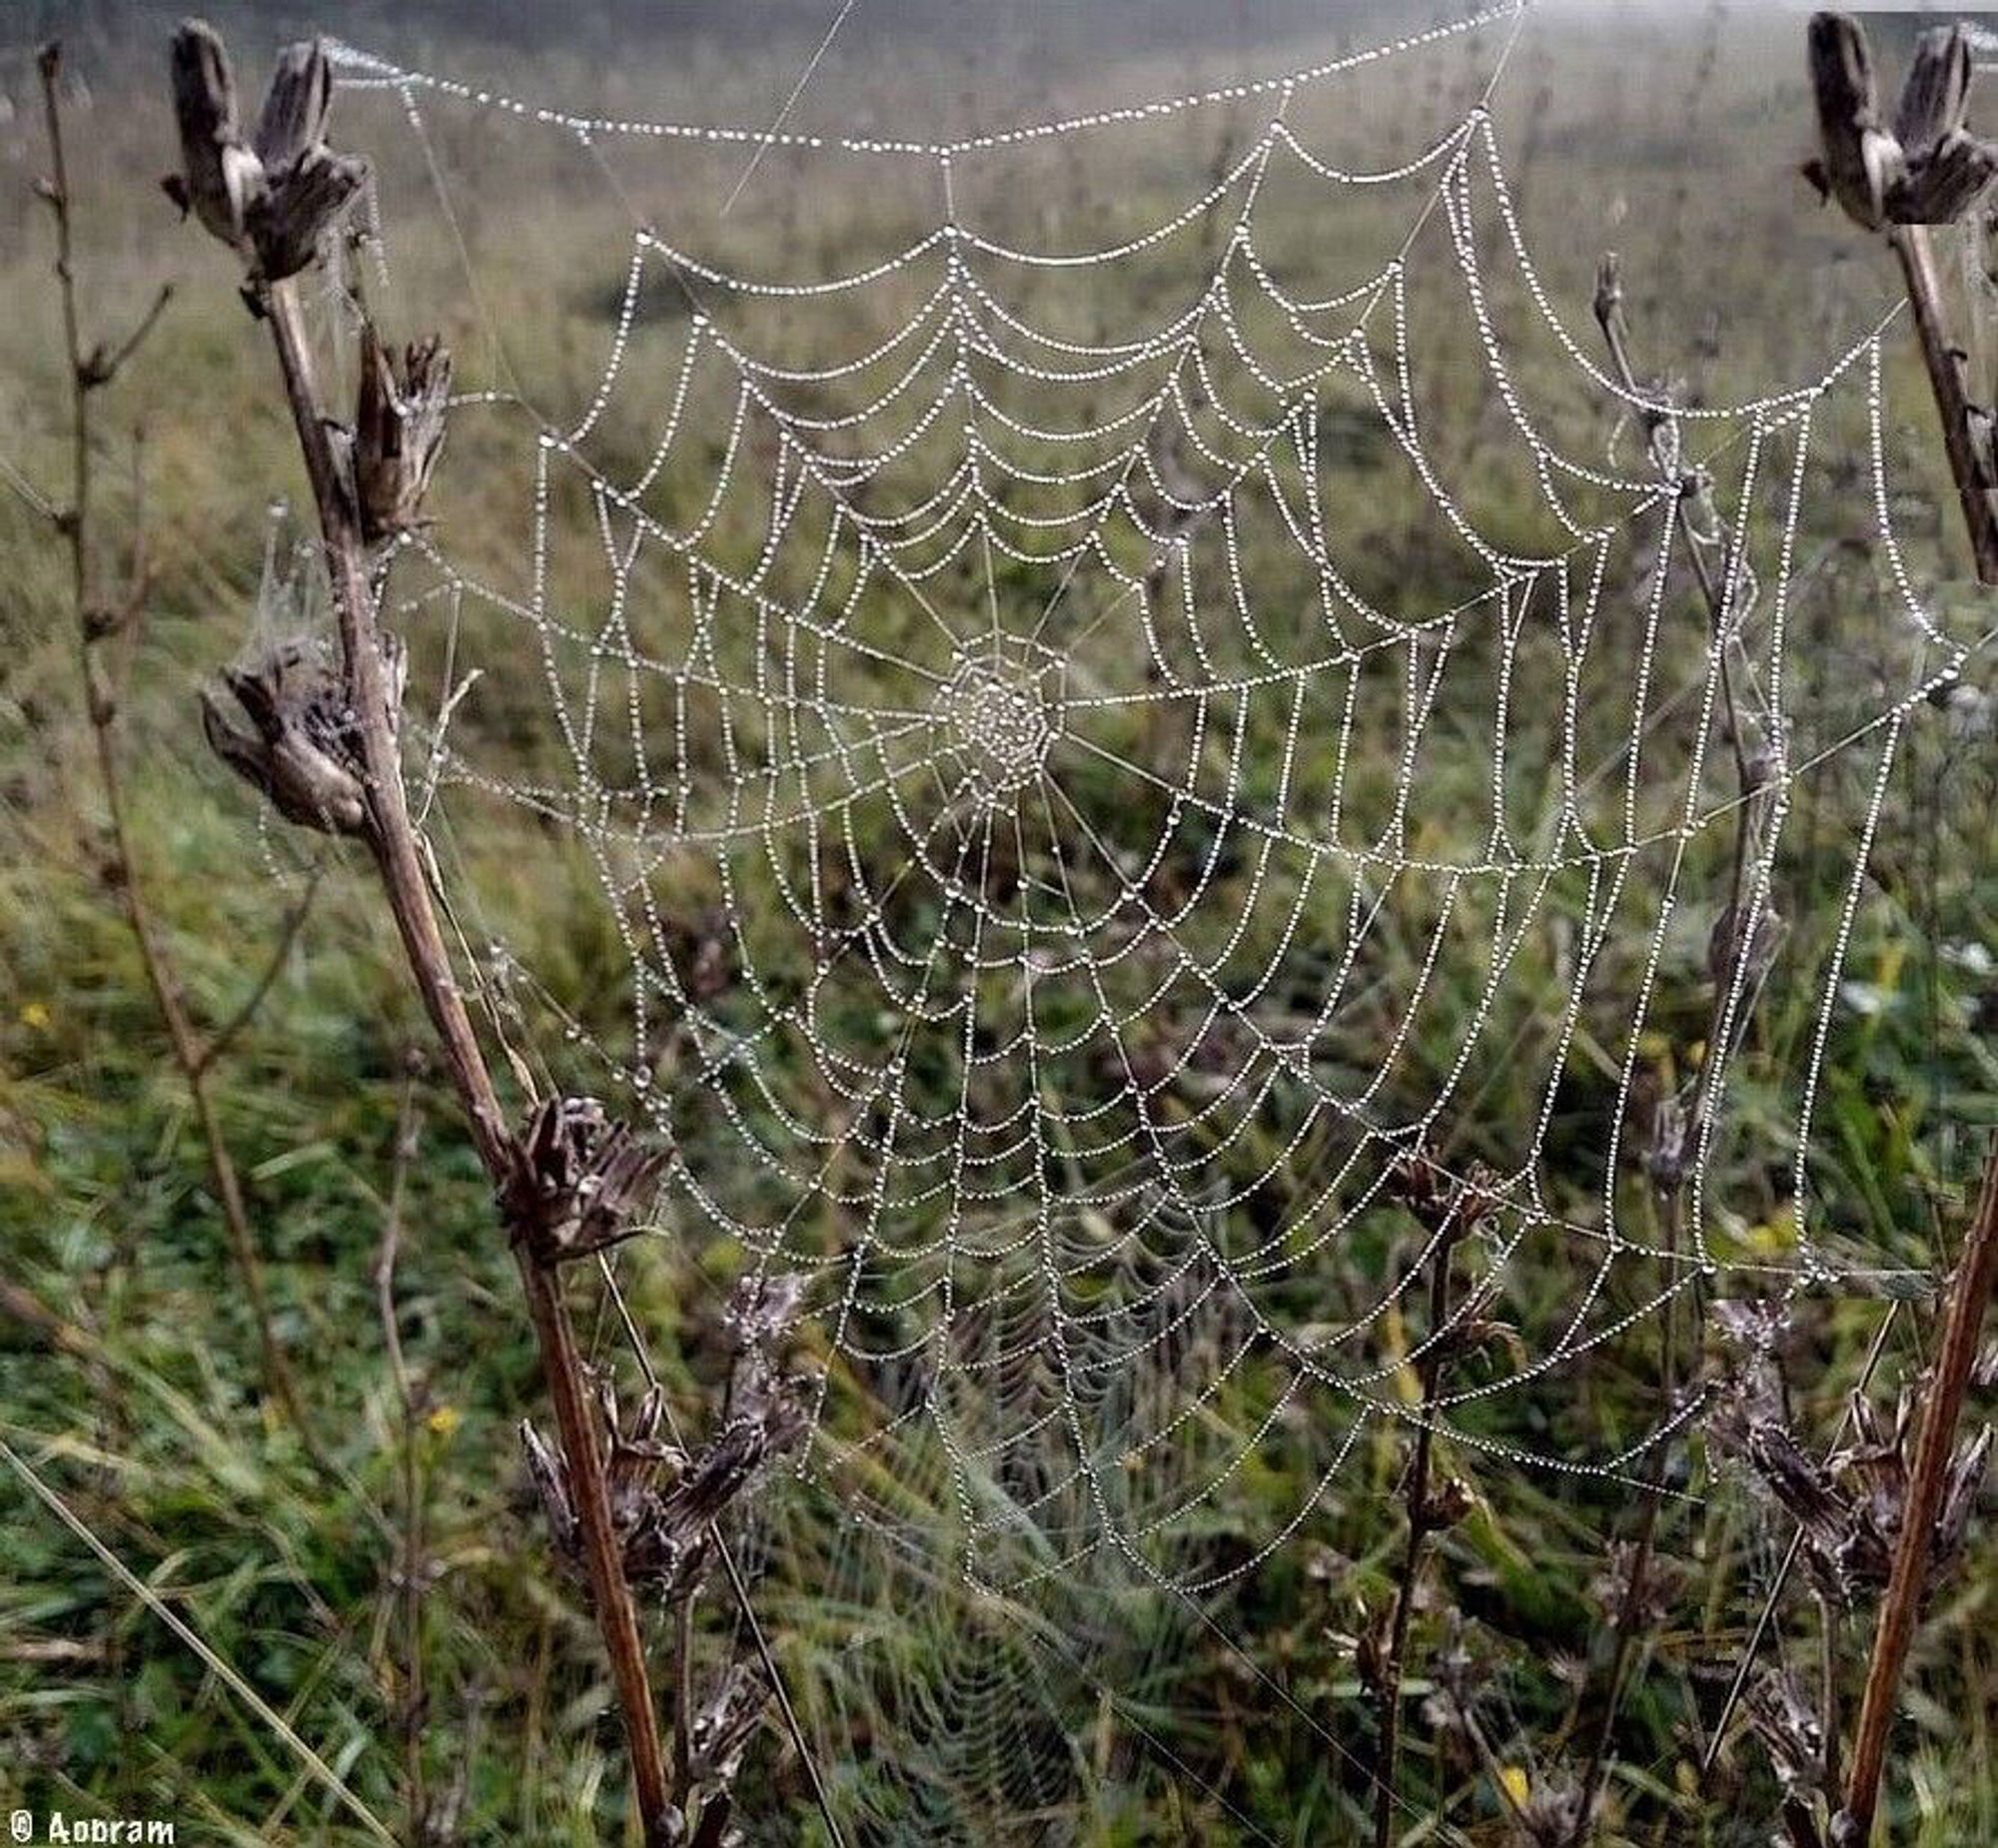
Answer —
1091 1709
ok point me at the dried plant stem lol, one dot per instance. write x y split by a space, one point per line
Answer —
412 1567
1900 1609
89 372
1415 1495
1944 359
400 863
225 1036
1716 593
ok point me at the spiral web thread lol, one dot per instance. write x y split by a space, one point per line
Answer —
1042 854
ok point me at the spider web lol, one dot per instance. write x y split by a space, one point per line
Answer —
1065 734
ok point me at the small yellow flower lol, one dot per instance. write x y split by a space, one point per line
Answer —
1517 1785
36 1016
445 1419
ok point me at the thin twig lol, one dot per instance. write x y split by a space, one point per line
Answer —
1431 1368
225 1036
102 367
1900 1609
412 1567
89 373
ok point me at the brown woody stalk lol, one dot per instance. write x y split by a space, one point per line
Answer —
392 836
1969 465
1900 1609
1926 169
98 620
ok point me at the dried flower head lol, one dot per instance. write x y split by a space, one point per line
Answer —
399 430
1789 1729
272 196
764 1309
664 1500
721 1730
635 1463
1439 1201
303 744
1930 170
580 1180
1849 1508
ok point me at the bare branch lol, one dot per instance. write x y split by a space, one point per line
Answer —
100 706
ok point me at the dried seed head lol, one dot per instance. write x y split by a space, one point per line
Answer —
550 1478
290 222
721 1731
664 1502
747 1441
1960 1501
579 1183
1801 1483
219 178
1936 95
292 120
1438 1200
1930 170
1850 1508
273 197
763 1310
1783 1719
303 744
399 430
1859 161
634 1461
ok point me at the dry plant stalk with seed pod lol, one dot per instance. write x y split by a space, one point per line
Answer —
1908 1510
636 1514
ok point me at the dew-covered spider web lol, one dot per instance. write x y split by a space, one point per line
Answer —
1115 731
